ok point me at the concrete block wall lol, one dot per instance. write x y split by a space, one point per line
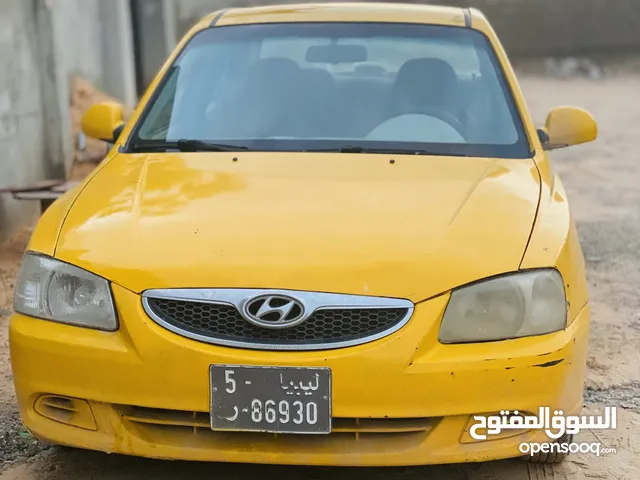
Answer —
526 27
563 27
43 44
22 120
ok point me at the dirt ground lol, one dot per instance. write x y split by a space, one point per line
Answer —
602 180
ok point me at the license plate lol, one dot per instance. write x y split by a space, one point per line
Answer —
270 399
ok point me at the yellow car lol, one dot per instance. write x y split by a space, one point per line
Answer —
330 234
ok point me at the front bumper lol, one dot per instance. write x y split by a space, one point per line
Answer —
147 391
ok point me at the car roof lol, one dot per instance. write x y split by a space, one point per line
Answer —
344 12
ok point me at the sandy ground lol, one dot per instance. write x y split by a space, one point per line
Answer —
602 181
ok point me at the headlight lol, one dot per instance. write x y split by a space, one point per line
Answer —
511 306
57 291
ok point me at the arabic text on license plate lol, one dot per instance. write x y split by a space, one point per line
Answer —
270 399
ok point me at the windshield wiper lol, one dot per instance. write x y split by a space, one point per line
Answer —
342 149
360 149
204 146
187 146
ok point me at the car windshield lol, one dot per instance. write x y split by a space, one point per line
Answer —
337 86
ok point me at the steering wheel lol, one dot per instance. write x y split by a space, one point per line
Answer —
444 115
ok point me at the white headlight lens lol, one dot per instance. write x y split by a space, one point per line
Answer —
512 306
53 290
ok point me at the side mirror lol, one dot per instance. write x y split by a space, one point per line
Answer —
567 126
103 121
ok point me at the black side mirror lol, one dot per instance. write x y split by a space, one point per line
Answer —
117 132
544 138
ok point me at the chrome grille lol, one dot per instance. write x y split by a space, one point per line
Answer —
324 326
227 316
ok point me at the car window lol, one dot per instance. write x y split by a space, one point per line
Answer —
313 86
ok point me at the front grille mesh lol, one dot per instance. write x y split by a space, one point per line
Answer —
224 322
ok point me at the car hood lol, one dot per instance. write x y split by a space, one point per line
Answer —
408 227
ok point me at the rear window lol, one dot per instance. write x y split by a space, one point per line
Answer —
307 86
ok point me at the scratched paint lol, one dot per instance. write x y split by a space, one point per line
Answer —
550 364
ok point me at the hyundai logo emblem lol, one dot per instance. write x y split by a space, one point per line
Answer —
274 311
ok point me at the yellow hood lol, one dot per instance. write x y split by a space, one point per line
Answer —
305 221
